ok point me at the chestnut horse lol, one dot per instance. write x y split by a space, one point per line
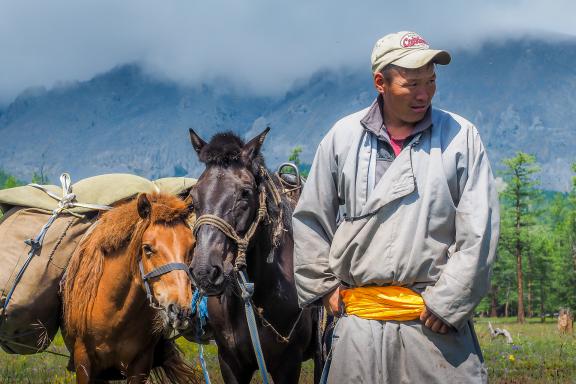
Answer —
126 288
244 224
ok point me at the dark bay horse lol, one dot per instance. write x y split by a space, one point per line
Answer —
126 287
244 223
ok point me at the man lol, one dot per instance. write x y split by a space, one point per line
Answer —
397 228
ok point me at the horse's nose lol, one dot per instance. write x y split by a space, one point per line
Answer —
208 276
178 316
216 276
173 311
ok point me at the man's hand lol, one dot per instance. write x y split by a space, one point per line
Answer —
431 321
333 302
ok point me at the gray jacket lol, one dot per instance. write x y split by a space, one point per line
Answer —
430 223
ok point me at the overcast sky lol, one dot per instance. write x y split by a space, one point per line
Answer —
260 45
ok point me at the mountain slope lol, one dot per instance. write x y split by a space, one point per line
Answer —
520 94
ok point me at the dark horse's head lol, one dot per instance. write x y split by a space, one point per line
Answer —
229 189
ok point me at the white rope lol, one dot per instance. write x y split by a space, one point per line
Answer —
67 199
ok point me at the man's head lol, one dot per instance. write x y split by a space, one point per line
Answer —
403 66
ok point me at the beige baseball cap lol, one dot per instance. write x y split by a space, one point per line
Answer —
407 50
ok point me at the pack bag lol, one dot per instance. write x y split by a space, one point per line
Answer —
40 229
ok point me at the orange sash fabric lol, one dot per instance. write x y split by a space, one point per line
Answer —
383 303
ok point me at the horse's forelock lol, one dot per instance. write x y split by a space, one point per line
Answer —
116 227
167 209
223 149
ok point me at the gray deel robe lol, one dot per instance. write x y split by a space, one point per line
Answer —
431 223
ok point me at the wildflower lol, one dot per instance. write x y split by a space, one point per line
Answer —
515 347
511 358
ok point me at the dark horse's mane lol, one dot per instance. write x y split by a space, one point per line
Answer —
225 150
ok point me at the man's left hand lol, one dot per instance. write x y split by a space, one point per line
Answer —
433 322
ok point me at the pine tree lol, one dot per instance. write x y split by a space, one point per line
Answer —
520 196
570 256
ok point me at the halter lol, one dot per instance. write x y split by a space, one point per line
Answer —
162 270
241 242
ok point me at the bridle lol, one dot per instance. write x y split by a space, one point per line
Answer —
162 270
242 242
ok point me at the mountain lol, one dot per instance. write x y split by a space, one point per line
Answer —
519 93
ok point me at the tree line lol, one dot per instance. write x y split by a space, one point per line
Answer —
535 271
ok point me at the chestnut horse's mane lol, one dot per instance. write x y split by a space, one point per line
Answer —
118 229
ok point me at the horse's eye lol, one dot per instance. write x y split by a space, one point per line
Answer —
245 194
147 249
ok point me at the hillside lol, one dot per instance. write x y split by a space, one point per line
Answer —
518 93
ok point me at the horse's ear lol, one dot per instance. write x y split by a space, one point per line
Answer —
144 206
189 202
252 148
197 142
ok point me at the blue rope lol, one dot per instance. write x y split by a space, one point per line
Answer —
203 364
199 305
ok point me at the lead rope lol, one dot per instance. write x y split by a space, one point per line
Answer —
199 307
247 291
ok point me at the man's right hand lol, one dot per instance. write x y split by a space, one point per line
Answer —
433 322
333 302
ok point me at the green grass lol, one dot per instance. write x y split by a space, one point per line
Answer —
538 355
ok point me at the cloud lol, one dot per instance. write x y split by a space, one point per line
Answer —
260 46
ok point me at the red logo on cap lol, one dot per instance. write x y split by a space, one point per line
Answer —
411 40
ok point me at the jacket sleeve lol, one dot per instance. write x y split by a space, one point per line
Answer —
466 275
314 225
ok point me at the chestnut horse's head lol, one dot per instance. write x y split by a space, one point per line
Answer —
164 255
144 245
227 196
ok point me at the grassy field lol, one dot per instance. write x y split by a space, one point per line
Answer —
538 355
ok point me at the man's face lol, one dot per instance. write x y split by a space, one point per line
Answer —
407 93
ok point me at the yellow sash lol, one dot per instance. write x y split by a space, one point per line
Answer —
383 303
